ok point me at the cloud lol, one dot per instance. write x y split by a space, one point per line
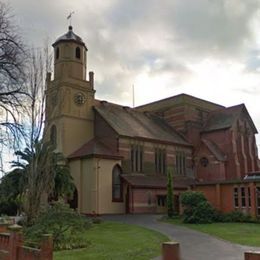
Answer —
207 48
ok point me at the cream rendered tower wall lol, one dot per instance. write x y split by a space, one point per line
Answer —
70 124
70 97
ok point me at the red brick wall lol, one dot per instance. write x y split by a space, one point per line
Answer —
149 155
214 171
221 196
12 244
140 197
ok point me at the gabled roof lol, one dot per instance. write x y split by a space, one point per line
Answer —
164 104
139 180
131 123
215 150
225 118
94 148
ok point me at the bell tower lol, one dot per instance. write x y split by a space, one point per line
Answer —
70 54
69 96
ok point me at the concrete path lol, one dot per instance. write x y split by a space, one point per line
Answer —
194 245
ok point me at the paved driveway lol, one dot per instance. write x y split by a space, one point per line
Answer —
194 245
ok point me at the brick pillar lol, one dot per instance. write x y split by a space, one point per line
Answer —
253 199
218 197
171 251
15 240
252 255
46 247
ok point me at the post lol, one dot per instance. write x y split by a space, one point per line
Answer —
250 255
46 247
15 240
171 250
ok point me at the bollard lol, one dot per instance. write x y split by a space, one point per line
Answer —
171 251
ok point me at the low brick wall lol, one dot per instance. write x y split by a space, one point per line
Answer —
171 251
12 248
4 227
252 255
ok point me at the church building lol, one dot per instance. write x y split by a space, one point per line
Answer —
119 156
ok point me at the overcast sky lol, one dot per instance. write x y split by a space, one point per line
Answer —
206 48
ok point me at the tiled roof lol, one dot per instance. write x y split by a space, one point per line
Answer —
220 156
155 181
224 118
166 103
94 148
131 123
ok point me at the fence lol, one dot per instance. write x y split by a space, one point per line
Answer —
12 248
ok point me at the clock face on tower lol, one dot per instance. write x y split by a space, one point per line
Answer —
79 98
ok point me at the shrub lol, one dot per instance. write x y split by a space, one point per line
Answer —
192 198
63 223
202 213
237 216
196 208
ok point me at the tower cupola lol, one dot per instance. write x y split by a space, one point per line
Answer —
70 56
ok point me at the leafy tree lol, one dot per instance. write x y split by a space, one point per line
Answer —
11 188
47 175
169 194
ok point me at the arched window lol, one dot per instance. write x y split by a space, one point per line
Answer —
117 184
53 136
57 53
78 53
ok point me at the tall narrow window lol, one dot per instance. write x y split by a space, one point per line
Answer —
258 200
57 54
243 197
53 136
236 203
160 160
78 53
249 197
180 163
161 200
137 158
116 184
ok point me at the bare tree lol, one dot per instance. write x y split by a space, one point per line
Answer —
12 92
40 61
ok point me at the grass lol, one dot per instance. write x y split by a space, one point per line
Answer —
240 233
110 240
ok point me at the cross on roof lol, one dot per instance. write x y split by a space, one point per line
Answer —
69 17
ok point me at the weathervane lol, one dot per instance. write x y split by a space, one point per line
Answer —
69 17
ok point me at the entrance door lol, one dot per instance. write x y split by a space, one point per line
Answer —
176 202
74 201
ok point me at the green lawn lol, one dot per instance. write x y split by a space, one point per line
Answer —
240 233
110 240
